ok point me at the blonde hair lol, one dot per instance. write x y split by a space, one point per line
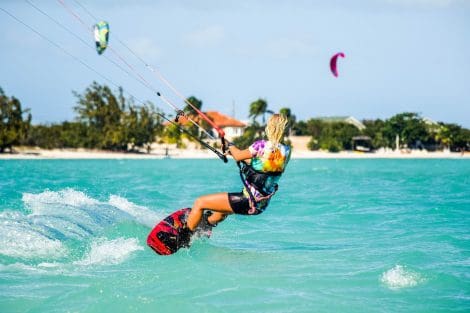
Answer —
275 128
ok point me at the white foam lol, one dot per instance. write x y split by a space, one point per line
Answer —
50 265
110 252
400 277
20 240
15 267
37 202
55 217
140 213
77 206
67 213
30 245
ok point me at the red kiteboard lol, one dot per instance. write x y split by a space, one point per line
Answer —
165 237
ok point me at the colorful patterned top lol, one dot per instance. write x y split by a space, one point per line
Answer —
268 158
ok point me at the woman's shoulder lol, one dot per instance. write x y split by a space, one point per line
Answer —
262 144
258 146
259 143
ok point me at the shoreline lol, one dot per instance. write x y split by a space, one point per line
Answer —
78 154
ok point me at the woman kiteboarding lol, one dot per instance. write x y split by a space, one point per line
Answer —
261 166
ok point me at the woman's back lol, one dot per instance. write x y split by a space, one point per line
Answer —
269 157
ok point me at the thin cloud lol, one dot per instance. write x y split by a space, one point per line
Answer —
146 48
209 36
279 48
428 3
288 47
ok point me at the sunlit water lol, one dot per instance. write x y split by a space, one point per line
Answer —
340 236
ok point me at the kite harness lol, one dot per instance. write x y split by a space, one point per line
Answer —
252 178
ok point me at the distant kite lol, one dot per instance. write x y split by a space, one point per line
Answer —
333 62
101 31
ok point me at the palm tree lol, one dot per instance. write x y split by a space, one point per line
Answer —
195 102
290 117
257 108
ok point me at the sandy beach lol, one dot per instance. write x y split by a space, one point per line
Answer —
193 153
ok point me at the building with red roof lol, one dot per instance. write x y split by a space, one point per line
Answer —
231 126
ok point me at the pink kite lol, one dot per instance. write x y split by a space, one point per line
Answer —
333 61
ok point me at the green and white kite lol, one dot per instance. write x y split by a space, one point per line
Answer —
101 31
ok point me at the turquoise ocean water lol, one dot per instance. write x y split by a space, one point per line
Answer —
340 236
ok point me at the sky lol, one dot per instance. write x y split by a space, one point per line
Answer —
400 55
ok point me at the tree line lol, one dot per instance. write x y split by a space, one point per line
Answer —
104 121
409 130
109 121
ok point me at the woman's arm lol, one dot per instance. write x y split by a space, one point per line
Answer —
239 155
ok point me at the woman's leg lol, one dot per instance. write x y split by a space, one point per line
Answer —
216 217
216 202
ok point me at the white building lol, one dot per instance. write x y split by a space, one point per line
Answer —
232 127
345 119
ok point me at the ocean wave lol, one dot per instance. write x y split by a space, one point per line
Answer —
56 217
110 252
34 245
68 196
140 213
102 251
400 277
